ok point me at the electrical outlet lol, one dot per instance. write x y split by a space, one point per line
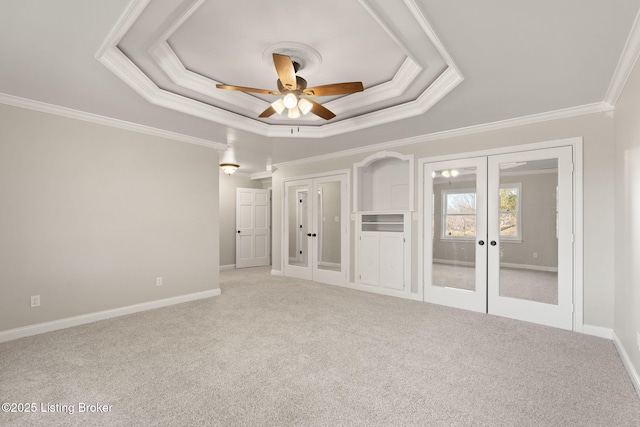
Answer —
535 254
158 281
35 301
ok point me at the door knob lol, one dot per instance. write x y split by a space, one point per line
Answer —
481 242
314 234
493 243
238 231
309 234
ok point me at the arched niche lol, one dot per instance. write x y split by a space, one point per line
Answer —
383 182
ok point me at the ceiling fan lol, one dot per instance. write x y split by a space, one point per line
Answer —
292 87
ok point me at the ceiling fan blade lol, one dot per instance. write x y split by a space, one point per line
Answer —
268 112
334 89
321 111
286 71
248 89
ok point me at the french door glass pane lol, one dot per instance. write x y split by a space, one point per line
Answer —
298 224
528 231
454 228
329 226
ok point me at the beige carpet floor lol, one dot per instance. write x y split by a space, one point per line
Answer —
281 352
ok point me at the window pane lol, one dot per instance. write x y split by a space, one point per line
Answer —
508 200
508 224
460 225
461 203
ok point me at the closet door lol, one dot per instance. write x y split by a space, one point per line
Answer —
317 229
530 251
455 230
298 225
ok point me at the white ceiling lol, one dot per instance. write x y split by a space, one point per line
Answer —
427 66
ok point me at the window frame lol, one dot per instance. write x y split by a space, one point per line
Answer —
443 214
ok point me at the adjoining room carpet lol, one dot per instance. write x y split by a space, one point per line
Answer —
283 352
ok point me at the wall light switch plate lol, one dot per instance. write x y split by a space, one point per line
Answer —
158 281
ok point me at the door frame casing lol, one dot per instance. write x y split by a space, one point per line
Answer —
578 215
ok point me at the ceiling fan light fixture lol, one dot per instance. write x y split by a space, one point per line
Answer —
304 106
278 105
294 112
229 168
290 101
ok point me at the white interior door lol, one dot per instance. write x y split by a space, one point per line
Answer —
252 227
499 235
455 233
530 251
316 229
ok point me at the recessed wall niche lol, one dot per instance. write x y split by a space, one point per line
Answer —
383 182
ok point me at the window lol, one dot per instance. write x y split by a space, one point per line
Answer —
459 214
510 218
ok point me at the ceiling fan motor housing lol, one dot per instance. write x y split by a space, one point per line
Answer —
301 84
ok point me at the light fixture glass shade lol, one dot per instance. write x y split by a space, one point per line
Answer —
290 100
446 173
228 168
294 112
278 105
454 173
304 106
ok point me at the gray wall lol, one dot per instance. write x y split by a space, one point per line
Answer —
627 215
228 186
91 215
597 131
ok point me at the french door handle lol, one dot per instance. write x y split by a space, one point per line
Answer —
481 242
314 234
493 243
309 234
238 231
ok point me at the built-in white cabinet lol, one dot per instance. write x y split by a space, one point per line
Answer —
383 201
383 256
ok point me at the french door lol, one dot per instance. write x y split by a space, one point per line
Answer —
316 229
499 235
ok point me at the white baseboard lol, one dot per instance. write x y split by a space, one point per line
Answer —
380 291
276 273
228 267
69 322
626 360
597 331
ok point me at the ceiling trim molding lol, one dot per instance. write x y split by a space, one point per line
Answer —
105 121
627 61
599 107
115 60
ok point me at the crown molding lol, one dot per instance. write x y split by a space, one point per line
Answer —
114 59
106 121
600 107
627 61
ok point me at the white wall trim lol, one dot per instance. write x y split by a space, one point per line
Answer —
227 267
106 121
380 291
599 107
627 61
626 360
597 331
277 273
69 322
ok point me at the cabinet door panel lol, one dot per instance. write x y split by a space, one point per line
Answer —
392 261
369 259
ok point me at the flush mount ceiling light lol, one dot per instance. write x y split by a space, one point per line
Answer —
229 168
292 87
